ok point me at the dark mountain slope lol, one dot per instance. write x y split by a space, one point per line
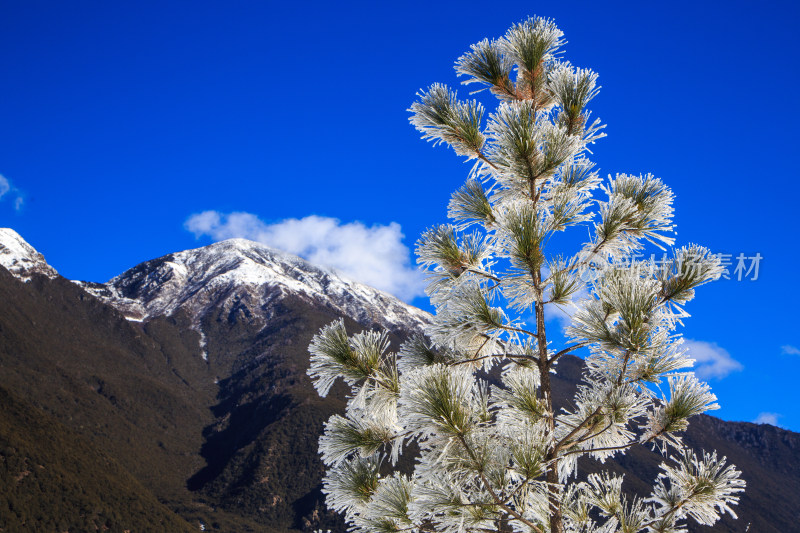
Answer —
54 479
262 449
231 440
769 458
238 455
83 363
140 393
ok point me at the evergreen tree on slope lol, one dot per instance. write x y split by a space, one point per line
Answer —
499 456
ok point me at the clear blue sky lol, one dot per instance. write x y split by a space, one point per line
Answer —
121 120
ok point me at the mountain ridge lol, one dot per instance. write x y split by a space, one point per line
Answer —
244 422
192 278
20 258
240 270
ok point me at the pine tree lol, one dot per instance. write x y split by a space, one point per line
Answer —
495 454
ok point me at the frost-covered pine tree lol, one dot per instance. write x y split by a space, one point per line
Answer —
472 399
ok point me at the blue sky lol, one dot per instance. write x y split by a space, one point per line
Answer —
131 130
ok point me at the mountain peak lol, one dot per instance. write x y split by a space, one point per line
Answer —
254 251
20 258
239 272
227 277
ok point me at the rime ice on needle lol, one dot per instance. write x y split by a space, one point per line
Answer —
499 456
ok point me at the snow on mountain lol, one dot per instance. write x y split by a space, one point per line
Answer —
233 276
243 274
20 258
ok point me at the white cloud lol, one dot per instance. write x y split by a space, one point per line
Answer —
788 349
711 360
563 313
6 188
560 314
373 255
767 418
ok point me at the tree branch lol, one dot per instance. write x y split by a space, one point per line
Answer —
494 495
566 351
497 356
515 491
484 274
606 449
482 157
575 430
518 330
590 437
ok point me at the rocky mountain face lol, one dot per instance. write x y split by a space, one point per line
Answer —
20 258
185 377
241 276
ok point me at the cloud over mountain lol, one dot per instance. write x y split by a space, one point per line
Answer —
767 418
374 255
711 360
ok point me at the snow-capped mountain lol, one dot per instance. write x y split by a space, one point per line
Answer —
232 440
234 275
250 276
20 258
